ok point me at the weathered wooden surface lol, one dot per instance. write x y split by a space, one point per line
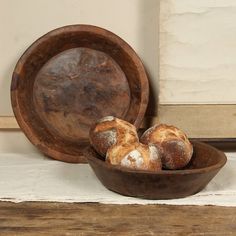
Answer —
96 219
74 75
77 87
204 165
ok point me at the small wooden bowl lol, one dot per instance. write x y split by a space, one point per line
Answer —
166 184
68 79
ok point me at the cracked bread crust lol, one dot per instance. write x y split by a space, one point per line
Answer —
110 131
174 145
135 156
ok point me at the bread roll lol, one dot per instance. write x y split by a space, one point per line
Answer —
174 145
135 156
109 131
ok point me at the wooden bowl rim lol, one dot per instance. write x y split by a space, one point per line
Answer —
103 164
29 132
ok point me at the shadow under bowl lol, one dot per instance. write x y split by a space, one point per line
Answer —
166 184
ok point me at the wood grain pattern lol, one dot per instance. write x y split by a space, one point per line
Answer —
97 219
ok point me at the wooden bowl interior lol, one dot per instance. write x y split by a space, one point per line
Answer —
165 184
49 46
203 158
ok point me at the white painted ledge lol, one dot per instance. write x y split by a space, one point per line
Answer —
33 177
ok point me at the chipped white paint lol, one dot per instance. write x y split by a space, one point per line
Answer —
197 52
133 158
26 175
22 22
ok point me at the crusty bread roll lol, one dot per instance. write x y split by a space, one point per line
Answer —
135 156
174 145
109 131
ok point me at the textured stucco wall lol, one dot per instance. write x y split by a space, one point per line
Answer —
198 52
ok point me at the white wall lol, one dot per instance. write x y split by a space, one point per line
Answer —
198 52
197 41
23 21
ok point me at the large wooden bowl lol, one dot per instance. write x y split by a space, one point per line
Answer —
166 184
68 79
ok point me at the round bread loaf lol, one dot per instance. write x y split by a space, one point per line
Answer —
173 143
109 131
135 156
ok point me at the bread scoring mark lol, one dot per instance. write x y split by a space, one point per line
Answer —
112 155
106 118
127 131
148 131
130 137
133 159
124 123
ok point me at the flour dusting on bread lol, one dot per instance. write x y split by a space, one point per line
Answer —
133 159
154 153
110 136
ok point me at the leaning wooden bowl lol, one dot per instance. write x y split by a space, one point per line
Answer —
166 184
68 79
